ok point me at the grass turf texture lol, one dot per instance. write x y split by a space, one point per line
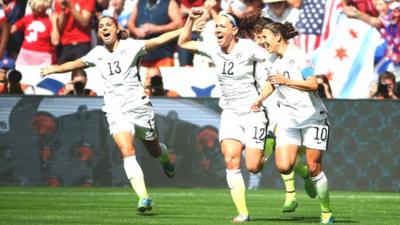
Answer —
185 206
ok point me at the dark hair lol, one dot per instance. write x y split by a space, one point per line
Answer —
14 77
286 30
321 88
78 72
253 24
121 34
230 16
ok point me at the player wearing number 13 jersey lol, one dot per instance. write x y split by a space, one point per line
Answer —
128 110
235 60
303 118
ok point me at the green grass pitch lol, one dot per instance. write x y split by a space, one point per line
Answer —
21 205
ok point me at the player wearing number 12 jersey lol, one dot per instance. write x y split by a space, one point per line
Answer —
235 60
303 117
128 110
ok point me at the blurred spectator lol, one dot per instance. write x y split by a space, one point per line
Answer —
149 19
324 88
117 10
4 33
41 35
14 10
280 11
77 85
386 88
388 24
74 24
154 85
5 65
243 8
366 6
12 85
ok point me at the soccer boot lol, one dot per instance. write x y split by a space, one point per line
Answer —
145 204
241 219
327 217
309 187
290 204
168 168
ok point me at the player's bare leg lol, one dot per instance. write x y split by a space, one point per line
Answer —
314 159
232 151
159 150
124 141
285 160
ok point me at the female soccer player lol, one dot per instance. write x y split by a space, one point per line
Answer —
303 117
128 110
251 28
235 61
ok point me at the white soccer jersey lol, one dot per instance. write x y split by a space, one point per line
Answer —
297 108
119 69
236 73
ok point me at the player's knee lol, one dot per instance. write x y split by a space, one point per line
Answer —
231 163
126 151
284 168
314 168
253 168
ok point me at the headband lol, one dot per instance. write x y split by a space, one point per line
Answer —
230 17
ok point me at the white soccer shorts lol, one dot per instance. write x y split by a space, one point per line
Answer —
139 121
313 136
249 128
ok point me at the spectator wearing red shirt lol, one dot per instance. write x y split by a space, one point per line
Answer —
74 23
40 35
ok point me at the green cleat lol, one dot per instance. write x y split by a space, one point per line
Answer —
145 204
309 187
327 218
269 146
290 204
168 168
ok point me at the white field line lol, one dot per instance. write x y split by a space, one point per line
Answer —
387 196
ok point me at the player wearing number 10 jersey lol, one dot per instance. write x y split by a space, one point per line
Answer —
128 110
303 117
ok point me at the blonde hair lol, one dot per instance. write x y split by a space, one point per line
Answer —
36 3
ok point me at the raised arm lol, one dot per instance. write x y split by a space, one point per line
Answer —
185 38
66 67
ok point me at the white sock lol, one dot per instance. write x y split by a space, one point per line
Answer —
135 176
321 185
254 180
238 190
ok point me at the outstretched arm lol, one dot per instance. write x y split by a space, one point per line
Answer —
185 38
162 39
66 67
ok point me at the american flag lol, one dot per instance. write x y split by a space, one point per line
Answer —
316 22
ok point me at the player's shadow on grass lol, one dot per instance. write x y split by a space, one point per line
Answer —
301 219
147 214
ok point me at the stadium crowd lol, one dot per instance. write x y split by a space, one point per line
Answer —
44 32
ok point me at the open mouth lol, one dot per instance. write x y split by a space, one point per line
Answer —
106 34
